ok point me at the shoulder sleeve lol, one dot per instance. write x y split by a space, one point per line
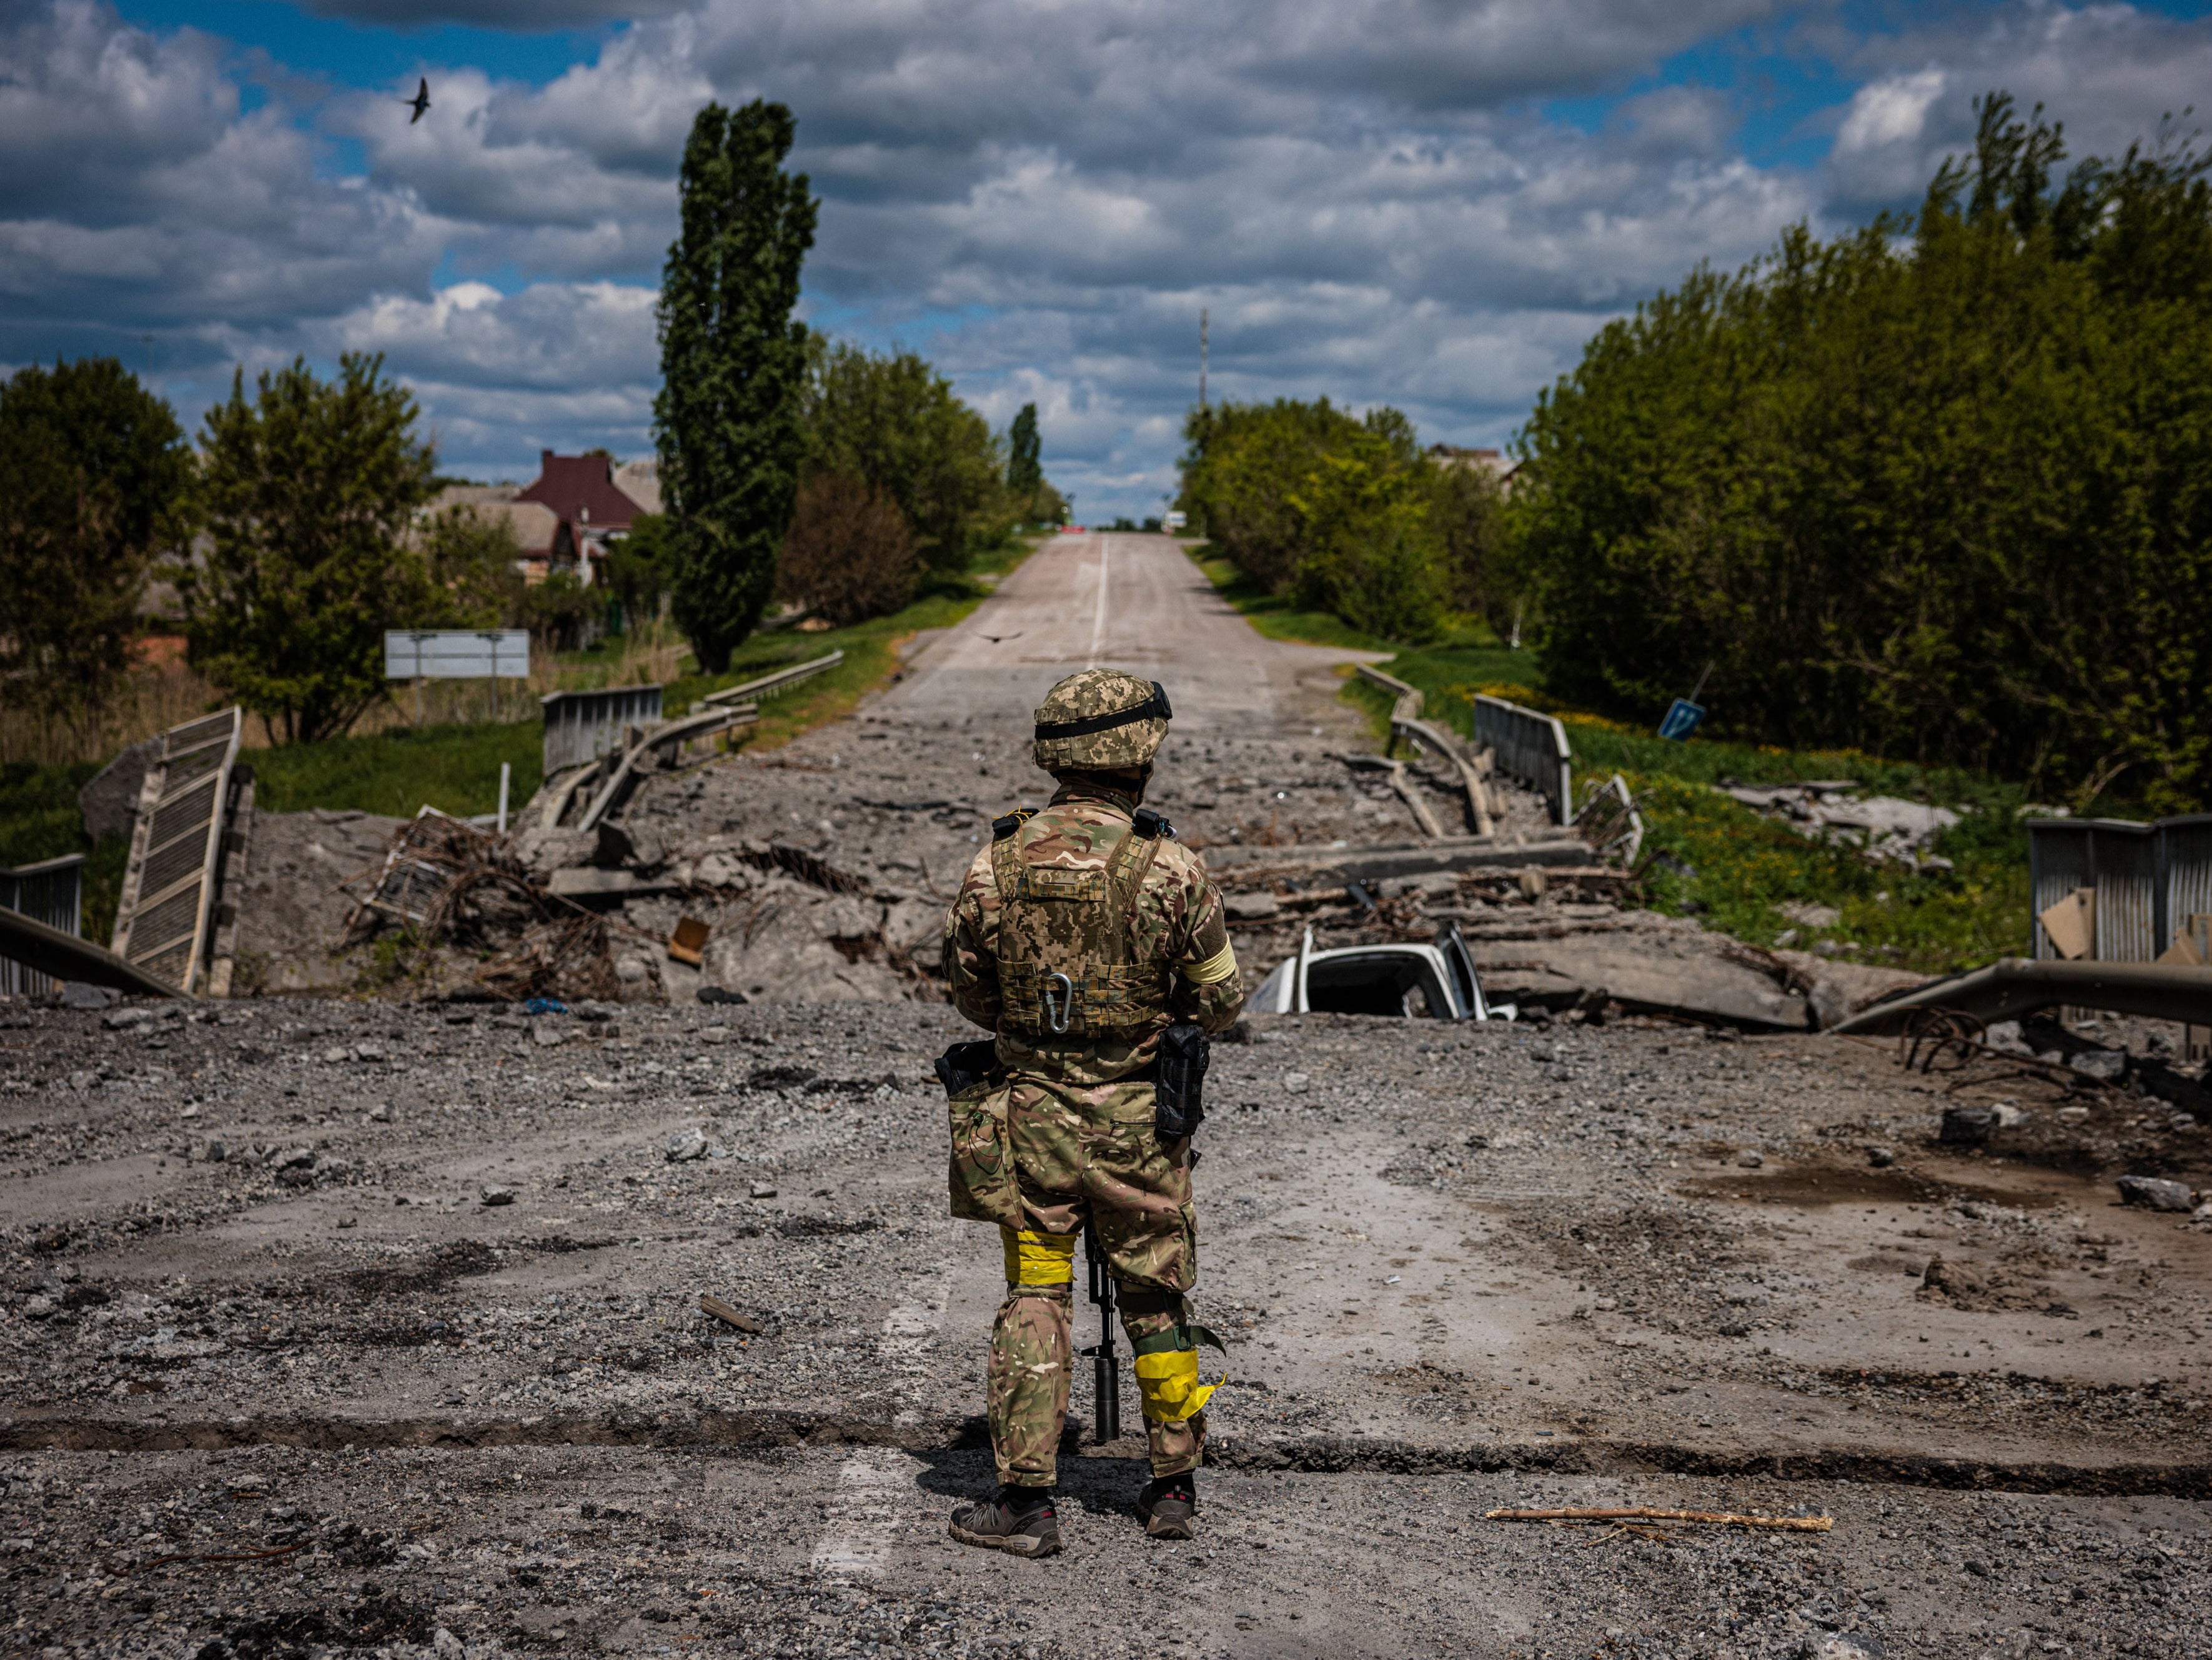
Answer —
971 957
1207 987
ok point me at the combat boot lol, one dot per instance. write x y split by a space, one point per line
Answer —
1168 1506
1019 1521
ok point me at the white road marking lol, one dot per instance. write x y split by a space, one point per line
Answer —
877 1486
874 1486
1099 617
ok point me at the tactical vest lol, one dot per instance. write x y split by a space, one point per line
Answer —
1085 984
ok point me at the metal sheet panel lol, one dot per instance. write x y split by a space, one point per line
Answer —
51 891
582 726
2127 891
456 655
1531 747
2059 859
162 920
2186 858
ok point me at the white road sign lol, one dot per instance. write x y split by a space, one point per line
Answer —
456 655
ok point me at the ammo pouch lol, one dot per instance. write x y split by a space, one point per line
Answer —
981 1174
964 1066
1178 1107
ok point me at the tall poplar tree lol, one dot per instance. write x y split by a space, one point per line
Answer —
733 360
1024 458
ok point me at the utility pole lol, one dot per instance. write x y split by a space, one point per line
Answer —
1201 359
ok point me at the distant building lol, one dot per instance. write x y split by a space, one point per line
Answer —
1499 465
571 516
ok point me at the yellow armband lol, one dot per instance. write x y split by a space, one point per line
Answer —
1212 971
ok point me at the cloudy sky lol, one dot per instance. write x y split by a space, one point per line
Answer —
1427 203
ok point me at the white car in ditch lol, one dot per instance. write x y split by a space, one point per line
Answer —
1436 981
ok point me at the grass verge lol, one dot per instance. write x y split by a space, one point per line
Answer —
871 649
452 768
40 820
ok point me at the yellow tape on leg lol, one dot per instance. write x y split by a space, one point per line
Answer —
1038 1259
1169 1382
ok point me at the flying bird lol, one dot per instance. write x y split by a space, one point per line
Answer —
420 103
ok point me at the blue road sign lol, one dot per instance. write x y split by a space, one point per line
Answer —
1681 720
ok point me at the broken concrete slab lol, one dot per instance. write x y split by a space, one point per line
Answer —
1380 862
109 801
589 885
1681 976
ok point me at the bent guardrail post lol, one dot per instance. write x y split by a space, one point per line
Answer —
64 956
2012 987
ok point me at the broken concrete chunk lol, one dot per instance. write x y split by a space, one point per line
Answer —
1252 907
635 846
129 1019
1967 1126
686 1145
2105 1065
762 1190
494 1193
81 994
719 994
2154 1193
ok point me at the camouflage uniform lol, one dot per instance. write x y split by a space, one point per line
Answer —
1137 925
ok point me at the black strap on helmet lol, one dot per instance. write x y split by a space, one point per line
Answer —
1154 708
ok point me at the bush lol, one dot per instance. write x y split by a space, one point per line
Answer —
1338 510
559 611
848 556
1939 488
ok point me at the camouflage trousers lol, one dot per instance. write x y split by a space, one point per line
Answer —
1087 1153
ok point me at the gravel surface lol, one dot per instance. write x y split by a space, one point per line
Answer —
336 1327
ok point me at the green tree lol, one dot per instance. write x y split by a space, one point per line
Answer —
309 490
642 566
890 419
733 360
471 557
1024 461
1939 488
94 476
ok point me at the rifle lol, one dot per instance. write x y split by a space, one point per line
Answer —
1106 1374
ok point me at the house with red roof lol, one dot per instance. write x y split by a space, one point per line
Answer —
571 515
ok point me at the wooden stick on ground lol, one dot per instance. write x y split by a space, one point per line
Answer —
710 1304
1646 1513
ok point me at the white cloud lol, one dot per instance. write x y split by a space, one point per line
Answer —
1040 194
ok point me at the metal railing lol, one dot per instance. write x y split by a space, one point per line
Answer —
1532 747
580 727
769 685
51 891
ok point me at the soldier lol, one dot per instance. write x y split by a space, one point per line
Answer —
1079 937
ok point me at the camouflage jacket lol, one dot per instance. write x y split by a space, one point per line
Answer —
1134 968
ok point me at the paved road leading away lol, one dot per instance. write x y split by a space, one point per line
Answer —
1130 602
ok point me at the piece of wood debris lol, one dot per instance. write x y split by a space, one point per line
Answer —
710 1304
1646 1513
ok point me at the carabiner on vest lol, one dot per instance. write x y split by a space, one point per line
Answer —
1056 1019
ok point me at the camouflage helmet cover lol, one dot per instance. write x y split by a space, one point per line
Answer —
1101 720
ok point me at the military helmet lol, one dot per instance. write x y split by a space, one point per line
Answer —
1101 720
